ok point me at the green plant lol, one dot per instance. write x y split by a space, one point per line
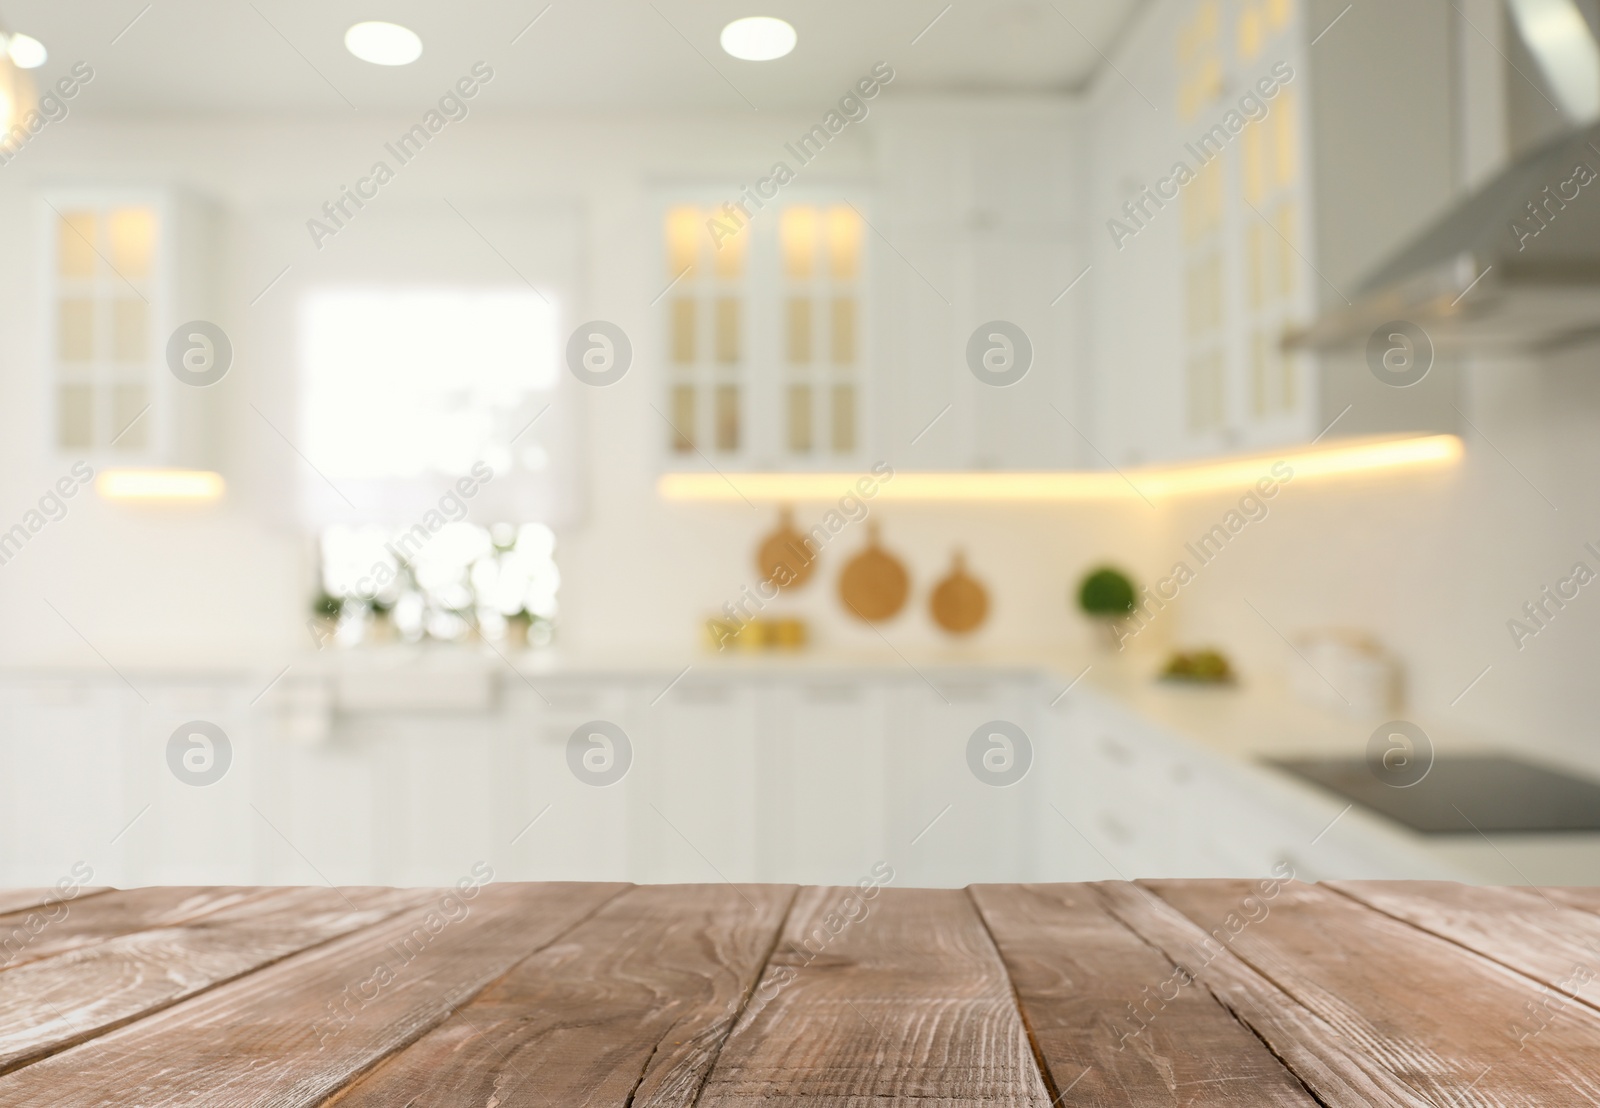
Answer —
327 606
1106 593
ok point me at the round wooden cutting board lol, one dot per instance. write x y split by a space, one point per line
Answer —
783 557
874 585
959 603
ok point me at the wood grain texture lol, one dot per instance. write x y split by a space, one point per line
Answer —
296 1032
907 1003
1115 1022
84 992
18 900
70 924
1310 1046
1445 1022
630 1008
1523 928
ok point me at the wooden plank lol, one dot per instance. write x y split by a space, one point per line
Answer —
1312 1048
19 900
1441 1019
70 924
897 1000
1523 928
296 1032
1114 1020
628 1009
55 1002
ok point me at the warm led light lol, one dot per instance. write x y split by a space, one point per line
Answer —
27 51
758 38
383 43
159 484
1234 473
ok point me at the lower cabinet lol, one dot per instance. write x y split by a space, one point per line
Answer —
948 777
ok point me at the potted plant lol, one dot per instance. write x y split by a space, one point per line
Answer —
325 612
1106 596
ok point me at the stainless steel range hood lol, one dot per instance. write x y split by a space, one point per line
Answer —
1515 265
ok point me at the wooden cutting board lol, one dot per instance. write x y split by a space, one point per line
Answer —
874 584
784 557
959 603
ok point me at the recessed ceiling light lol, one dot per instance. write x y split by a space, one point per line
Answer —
383 43
27 51
758 38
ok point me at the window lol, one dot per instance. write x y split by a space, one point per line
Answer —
404 382
764 333
430 416
405 390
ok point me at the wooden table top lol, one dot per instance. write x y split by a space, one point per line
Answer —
554 995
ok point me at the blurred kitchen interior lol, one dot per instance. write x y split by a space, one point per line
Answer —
405 419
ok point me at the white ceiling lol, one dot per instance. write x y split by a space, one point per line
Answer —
211 56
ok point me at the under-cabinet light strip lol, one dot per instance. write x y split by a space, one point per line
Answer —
1162 481
159 484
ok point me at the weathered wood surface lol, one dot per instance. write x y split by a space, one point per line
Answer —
897 999
1453 1026
1198 993
63 925
299 1033
1113 1018
630 1008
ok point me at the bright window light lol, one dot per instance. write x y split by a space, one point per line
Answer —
410 382
27 52
383 43
758 38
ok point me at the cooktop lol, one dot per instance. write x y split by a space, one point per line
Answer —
1464 794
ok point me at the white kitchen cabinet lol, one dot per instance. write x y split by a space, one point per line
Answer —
122 268
947 826
192 830
826 774
321 801
63 797
982 213
697 798
1195 289
550 824
812 776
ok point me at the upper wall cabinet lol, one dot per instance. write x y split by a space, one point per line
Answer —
122 269
1250 161
766 333
832 326
982 225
